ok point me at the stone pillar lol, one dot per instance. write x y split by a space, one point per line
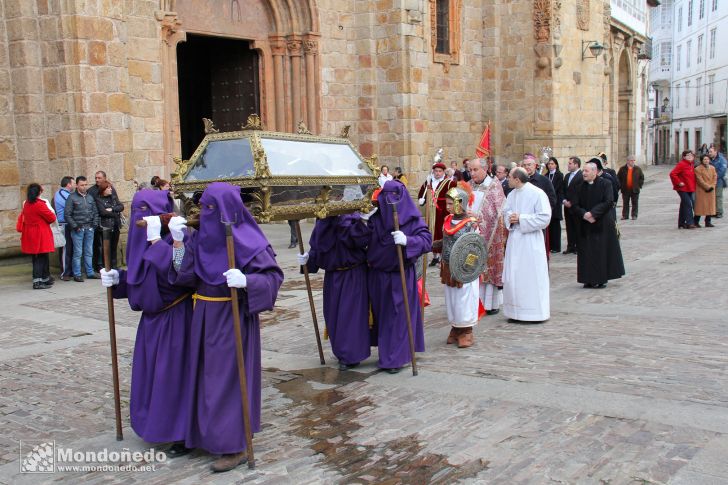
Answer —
171 36
295 52
311 48
278 49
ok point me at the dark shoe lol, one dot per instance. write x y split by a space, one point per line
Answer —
452 337
555 250
691 226
513 320
78 279
51 280
344 367
588 285
227 462
65 278
292 245
435 261
718 216
600 286
465 339
393 371
41 286
177 450
92 276
708 224
492 312
698 226
569 251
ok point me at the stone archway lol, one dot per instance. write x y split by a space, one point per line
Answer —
625 106
284 33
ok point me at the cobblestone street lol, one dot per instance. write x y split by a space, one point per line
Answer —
628 384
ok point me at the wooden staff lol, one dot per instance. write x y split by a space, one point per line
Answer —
106 234
310 296
404 291
424 257
239 347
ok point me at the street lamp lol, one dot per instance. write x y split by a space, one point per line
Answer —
594 47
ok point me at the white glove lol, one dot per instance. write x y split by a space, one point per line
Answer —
154 227
365 217
110 278
235 278
177 224
302 258
422 201
399 238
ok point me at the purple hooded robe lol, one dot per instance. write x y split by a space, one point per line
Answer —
338 245
216 417
160 395
385 284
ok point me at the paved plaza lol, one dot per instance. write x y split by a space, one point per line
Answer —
628 384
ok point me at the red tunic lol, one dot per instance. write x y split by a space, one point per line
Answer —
440 207
34 225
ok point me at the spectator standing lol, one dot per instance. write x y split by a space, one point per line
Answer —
706 178
399 175
683 182
384 175
65 253
557 181
110 209
466 170
501 174
631 179
94 192
36 237
457 175
83 217
718 161
572 180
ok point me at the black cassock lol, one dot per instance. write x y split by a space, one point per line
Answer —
599 257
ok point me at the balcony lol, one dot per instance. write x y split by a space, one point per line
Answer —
646 50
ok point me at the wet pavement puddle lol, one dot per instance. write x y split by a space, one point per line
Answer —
330 418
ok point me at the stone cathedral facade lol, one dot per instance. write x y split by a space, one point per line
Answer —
122 85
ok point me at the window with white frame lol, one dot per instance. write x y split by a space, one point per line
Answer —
665 54
688 49
690 12
698 83
677 96
711 90
699 55
679 19
701 9
711 54
687 94
666 13
678 54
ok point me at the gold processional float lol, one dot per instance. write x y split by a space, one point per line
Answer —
282 176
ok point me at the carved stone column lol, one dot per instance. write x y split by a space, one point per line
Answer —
310 46
172 34
295 52
278 49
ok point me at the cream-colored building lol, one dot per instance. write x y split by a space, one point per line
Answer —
122 85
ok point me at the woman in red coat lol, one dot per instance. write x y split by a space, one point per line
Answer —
36 237
683 181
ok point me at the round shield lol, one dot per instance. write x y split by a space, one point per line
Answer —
468 258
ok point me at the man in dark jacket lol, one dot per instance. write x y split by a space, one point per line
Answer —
529 163
83 217
630 179
572 180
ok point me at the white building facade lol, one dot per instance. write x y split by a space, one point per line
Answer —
696 81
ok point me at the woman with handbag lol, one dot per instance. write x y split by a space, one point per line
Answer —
36 239
110 210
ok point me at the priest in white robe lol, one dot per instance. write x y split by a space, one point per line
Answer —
525 271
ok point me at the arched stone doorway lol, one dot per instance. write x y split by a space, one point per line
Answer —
282 34
625 121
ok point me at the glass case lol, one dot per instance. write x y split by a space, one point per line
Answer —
281 175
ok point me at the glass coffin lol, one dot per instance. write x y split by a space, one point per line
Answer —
281 175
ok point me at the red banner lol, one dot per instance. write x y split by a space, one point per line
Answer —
483 149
